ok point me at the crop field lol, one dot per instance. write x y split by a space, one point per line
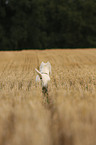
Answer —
69 118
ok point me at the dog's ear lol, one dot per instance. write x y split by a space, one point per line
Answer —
48 62
40 75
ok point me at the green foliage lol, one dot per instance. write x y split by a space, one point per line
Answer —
41 24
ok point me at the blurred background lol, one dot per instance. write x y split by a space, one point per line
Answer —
40 24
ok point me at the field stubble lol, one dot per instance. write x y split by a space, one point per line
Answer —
69 117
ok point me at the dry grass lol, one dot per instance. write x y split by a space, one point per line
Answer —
69 118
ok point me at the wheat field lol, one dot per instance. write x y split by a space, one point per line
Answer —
26 118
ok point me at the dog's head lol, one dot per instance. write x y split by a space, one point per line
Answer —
45 68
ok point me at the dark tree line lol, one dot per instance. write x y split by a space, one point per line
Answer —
31 24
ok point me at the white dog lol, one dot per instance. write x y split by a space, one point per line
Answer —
43 75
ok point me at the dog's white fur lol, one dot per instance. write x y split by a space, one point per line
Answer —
44 74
